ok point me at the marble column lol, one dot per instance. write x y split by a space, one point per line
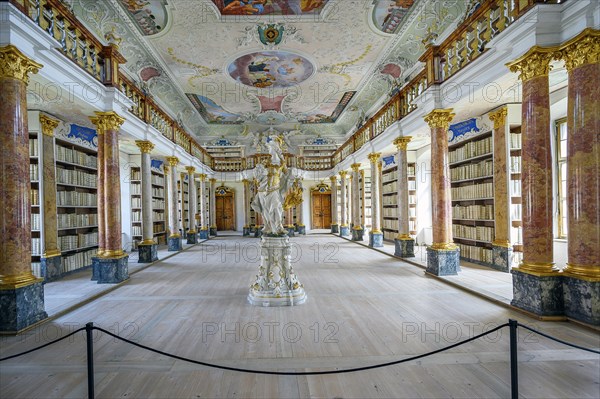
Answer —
335 226
50 259
537 285
375 235
192 235
246 231
213 207
111 265
184 221
443 255
344 229
21 293
581 281
147 248
501 246
174 241
404 243
203 222
357 228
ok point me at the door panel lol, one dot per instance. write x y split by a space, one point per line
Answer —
321 215
224 212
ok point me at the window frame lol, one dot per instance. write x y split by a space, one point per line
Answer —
561 159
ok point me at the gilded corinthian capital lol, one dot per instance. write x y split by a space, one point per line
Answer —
534 63
439 118
15 64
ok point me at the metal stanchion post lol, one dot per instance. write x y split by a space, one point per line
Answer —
514 374
89 327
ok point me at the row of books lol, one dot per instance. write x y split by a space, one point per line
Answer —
391 224
81 240
34 196
515 140
390 187
515 211
34 174
75 198
136 216
36 246
158 180
393 175
481 212
390 212
76 177
515 188
480 233
77 260
472 170
36 269
136 189
136 231
515 164
476 253
390 200
77 157
33 147
471 149
473 191
158 228
67 220
36 221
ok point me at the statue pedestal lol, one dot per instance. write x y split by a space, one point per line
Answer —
276 283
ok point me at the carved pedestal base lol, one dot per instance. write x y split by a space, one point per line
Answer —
192 238
258 232
21 307
110 270
582 300
291 230
344 231
335 228
443 262
246 231
376 240
276 283
213 231
542 295
203 234
175 244
404 248
50 268
302 230
148 253
357 234
502 257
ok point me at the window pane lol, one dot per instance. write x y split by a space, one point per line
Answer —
563 148
563 171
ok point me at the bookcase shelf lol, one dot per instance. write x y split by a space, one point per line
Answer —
389 182
158 205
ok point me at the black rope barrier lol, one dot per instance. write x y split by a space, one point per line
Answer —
42 346
559 340
298 373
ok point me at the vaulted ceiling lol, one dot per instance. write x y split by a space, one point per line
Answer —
236 68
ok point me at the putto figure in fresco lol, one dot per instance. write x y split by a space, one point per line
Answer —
274 181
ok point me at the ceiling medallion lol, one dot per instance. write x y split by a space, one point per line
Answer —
271 34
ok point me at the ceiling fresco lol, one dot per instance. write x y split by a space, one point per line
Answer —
269 7
239 76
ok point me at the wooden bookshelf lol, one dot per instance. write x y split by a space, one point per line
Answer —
158 205
37 224
389 205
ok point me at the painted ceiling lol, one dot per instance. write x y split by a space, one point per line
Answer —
235 68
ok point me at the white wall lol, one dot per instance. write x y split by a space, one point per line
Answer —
238 188
424 211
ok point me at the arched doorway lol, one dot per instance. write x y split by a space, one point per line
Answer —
321 207
225 208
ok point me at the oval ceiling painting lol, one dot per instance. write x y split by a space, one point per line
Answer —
388 14
270 7
274 69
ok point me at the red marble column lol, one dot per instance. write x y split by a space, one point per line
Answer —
441 199
536 171
100 187
15 217
581 57
109 123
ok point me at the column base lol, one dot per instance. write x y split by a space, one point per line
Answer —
203 234
258 232
110 270
213 231
291 231
335 228
148 253
502 257
344 231
376 240
541 295
443 262
302 230
404 248
357 234
175 244
50 268
192 238
246 232
582 300
22 307
276 283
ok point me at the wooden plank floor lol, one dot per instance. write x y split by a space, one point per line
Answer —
363 308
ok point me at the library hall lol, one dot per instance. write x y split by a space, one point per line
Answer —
299 199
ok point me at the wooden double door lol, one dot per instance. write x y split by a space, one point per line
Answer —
225 216
321 210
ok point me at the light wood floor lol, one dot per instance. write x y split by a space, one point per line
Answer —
363 308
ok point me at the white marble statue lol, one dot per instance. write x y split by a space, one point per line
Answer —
274 181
